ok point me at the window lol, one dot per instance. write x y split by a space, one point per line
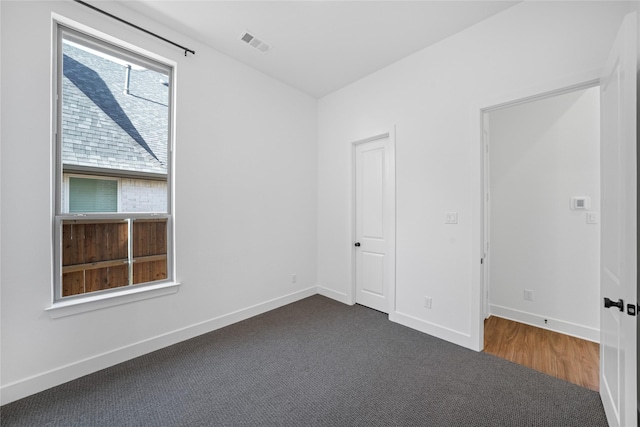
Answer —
113 168
92 195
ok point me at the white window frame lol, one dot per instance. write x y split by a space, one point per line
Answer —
69 305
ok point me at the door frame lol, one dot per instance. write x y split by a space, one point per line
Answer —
479 185
390 183
486 164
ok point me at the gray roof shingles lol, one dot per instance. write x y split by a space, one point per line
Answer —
104 127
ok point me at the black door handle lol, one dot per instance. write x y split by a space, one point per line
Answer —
608 303
357 244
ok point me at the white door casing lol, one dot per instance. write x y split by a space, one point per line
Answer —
619 228
485 216
374 223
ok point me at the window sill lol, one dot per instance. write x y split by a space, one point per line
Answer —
97 302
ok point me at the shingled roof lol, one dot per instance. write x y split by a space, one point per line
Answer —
102 127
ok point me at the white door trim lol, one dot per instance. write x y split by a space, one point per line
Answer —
478 209
486 214
391 185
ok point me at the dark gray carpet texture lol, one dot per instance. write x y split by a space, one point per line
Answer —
315 362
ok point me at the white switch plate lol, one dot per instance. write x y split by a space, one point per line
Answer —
451 217
592 217
580 203
427 302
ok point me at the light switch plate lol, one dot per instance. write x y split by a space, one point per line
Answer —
580 203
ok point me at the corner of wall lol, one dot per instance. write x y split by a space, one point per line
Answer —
335 295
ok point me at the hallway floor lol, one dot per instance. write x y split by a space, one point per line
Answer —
562 356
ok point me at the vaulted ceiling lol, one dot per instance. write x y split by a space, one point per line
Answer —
319 46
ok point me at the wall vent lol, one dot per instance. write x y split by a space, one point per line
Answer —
255 42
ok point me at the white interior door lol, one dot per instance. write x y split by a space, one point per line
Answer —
374 207
618 233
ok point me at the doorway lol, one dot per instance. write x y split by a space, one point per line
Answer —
542 199
374 222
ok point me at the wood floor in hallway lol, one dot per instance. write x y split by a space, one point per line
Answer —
562 356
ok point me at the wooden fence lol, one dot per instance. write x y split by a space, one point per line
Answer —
95 254
149 250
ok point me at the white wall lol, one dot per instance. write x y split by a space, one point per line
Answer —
433 97
543 153
245 196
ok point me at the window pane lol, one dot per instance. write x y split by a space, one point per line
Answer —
93 195
115 122
95 256
149 250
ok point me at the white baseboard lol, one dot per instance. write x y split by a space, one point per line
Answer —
37 383
556 325
335 295
437 331
446 334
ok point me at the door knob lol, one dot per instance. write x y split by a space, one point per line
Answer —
608 303
357 244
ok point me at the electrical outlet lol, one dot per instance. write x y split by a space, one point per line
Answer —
528 295
451 217
294 279
427 302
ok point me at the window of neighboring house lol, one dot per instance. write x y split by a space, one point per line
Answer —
113 168
92 195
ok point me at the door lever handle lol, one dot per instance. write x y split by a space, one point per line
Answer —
608 303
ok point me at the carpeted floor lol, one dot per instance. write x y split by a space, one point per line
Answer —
312 363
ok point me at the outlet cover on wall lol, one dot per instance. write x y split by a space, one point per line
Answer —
528 295
294 279
427 302
451 217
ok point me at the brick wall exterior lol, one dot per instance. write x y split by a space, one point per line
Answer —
141 195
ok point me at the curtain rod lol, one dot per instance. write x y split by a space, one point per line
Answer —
186 50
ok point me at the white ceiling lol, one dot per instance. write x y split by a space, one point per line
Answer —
319 46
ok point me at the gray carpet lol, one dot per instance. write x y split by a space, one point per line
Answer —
312 363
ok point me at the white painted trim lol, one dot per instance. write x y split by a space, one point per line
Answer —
391 241
75 25
477 109
392 231
45 380
335 295
455 337
486 214
568 84
91 302
567 328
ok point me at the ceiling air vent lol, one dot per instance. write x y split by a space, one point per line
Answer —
255 42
